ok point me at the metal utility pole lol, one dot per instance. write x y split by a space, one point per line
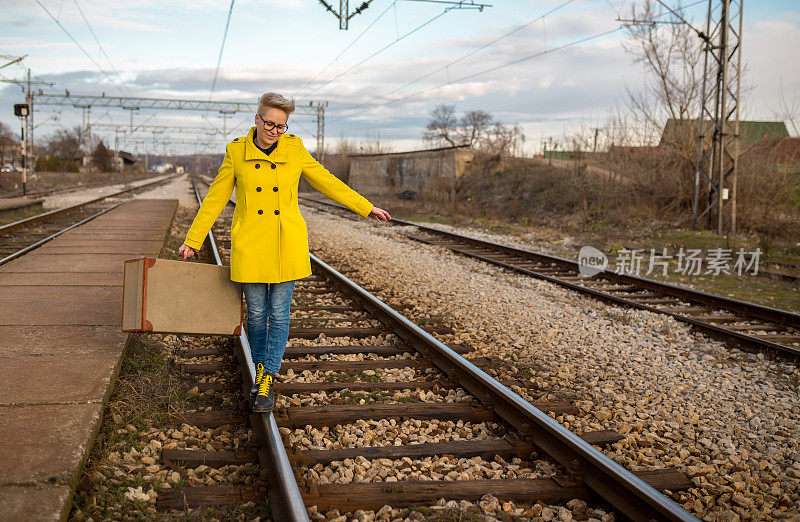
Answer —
718 137
29 122
343 14
226 108
321 131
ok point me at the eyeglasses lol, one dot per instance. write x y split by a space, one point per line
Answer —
269 125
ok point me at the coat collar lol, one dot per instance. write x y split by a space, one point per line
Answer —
254 153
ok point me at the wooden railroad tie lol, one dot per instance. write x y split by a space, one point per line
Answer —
198 496
304 351
215 459
223 386
333 414
313 333
486 448
382 350
210 419
373 495
302 388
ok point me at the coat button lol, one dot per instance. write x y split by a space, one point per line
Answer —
260 211
277 212
274 189
273 165
258 189
258 165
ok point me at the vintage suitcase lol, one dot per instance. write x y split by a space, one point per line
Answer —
161 295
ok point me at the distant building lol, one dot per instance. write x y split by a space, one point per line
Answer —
10 151
751 133
161 168
124 159
679 137
429 174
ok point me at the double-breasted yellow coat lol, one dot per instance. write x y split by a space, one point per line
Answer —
269 238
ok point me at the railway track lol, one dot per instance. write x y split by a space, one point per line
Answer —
738 322
54 191
767 268
20 237
356 408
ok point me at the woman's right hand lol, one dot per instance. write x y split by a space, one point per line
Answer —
185 251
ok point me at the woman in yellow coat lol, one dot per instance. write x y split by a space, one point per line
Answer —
269 239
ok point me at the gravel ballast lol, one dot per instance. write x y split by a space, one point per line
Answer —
727 418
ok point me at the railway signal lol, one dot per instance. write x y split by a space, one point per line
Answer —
21 110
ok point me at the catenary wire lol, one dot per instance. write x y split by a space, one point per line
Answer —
80 46
491 69
102 49
546 51
221 48
346 48
379 51
464 57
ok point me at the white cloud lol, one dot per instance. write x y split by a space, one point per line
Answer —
172 52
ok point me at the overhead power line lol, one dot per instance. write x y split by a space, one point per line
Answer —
456 4
343 14
102 49
346 48
80 46
221 48
379 51
471 53
491 69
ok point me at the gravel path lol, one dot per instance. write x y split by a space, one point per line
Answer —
727 418
180 189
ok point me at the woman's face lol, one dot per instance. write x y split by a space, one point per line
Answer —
271 117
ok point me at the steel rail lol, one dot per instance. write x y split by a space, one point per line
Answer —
53 191
45 215
765 313
286 501
621 488
41 242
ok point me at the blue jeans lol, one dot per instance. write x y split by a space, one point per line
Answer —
268 321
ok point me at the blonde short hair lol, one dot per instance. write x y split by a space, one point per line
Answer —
276 101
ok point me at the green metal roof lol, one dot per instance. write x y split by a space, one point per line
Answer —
751 133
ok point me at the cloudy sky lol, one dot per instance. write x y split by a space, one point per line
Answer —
382 77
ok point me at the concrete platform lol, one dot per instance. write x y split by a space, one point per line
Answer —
42 503
60 324
18 203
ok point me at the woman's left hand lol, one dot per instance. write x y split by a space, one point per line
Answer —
379 214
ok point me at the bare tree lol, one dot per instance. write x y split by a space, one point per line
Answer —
442 126
6 132
65 143
789 111
503 140
476 129
672 59
373 143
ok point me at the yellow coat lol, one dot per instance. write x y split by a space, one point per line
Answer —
269 238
